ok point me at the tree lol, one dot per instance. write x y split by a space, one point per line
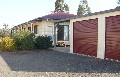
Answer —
66 7
83 8
5 31
5 26
61 6
118 1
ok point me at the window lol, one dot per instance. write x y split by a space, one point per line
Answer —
35 29
60 33
66 33
29 28
24 28
63 33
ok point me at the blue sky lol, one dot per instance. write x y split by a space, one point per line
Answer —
14 12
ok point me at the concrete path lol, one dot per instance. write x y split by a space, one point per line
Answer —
62 49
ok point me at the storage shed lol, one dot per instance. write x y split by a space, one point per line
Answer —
96 34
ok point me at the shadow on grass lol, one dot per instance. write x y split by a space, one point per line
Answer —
53 61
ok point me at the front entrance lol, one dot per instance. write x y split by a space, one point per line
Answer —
63 35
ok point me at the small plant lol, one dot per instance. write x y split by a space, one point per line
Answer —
7 44
43 42
24 40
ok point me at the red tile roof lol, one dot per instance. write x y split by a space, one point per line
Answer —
53 16
57 16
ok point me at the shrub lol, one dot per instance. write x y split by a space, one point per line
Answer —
1 35
7 44
43 42
24 40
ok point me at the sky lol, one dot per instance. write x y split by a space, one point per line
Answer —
15 12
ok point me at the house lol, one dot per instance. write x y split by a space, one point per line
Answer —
45 25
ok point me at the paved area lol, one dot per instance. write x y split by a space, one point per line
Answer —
62 49
48 63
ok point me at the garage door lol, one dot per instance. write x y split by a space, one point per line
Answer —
113 38
85 37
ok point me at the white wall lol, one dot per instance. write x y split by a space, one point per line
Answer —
44 27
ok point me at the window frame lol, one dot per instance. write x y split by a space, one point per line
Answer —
36 29
63 33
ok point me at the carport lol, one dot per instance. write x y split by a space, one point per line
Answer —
62 36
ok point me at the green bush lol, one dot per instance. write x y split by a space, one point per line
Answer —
7 44
43 42
1 35
0 41
24 40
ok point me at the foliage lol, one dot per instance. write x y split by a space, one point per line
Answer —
43 42
1 35
66 7
0 42
7 44
83 8
5 31
118 1
61 6
24 40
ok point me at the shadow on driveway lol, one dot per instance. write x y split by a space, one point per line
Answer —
54 61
